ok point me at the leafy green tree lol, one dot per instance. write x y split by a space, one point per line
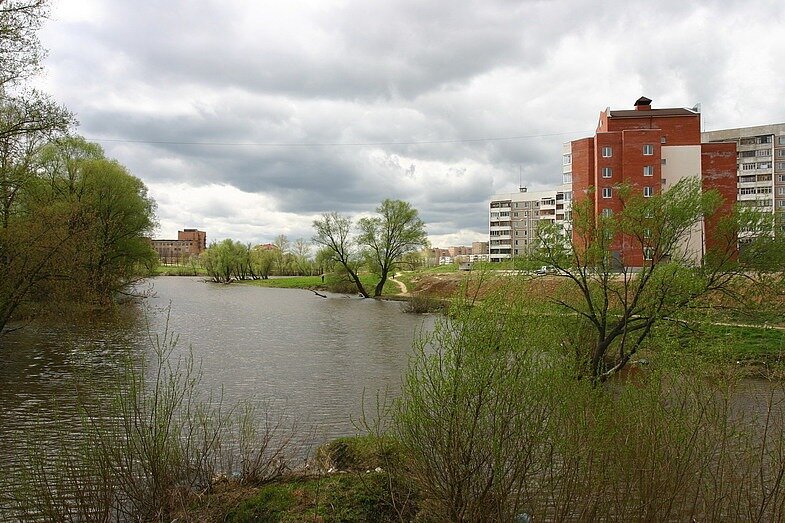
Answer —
222 260
262 261
396 231
20 50
301 253
333 233
619 305
110 216
324 260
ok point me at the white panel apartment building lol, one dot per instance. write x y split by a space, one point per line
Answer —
761 164
513 219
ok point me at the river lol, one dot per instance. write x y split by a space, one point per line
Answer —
313 357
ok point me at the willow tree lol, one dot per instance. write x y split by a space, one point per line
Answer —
395 231
333 232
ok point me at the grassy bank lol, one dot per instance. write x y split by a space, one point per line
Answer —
331 283
179 270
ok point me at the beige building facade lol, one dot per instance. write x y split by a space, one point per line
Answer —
513 219
760 165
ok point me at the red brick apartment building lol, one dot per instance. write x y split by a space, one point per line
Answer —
649 149
189 242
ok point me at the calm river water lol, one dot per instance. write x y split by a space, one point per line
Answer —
312 356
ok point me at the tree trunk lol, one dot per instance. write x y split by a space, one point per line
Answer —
380 286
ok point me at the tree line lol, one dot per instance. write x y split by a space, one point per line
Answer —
72 221
377 244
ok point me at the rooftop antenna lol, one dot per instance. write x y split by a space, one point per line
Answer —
521 188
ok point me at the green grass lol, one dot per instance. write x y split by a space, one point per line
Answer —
293 282
332 283
357 493
178 270
731 344
334 498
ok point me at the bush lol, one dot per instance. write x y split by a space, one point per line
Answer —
494 423
421 304
162 445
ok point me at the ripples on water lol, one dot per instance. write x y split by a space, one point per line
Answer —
312 356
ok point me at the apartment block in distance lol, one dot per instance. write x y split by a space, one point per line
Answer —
651 150
189 242
760 165
513 219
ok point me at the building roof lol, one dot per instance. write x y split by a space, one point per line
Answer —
634 113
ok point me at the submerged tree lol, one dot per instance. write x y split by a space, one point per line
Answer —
618 302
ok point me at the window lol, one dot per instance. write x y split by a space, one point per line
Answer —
763 139
648 253
607 213
663 161
648 170
607 192
747 154
763 152
781 203
607 172
780 153
781 177
747 166
663 139
648 192
648 149
781 140
780 166
607 152
780 191
567 159
746 179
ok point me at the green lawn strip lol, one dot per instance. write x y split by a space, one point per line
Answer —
748 345
178 270
331 283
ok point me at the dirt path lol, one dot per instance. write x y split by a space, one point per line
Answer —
401 285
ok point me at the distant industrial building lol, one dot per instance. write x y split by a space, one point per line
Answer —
189 242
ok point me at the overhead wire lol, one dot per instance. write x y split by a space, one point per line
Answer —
329 144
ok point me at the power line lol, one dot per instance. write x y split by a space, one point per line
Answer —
327 144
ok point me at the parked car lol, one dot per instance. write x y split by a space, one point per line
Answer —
546 269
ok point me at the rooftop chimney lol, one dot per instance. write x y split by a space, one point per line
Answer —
643 104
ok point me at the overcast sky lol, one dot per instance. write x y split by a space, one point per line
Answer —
248 119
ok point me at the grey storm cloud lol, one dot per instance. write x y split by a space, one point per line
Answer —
439 103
